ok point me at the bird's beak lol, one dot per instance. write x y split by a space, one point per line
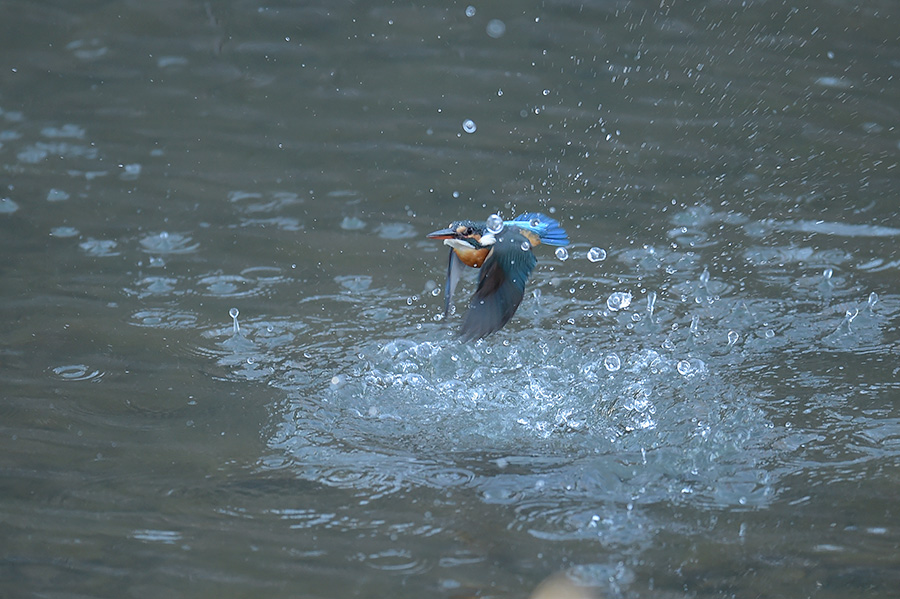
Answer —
443 234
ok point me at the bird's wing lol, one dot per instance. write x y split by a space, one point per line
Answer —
454 272
501 286
549 230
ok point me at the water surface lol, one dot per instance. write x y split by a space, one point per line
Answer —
225 367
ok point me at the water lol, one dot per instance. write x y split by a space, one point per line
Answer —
225 367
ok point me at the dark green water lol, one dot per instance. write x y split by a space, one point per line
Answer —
733 432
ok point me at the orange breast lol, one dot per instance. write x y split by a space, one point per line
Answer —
474 258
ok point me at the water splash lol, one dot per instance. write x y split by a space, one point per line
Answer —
562 254
233 313
618 300
596 254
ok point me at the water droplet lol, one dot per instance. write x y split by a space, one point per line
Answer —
546 92
562 254
470 11
233 313
612 362
596 254
618 301
827 274
526 246
469 126
651 302
535 222
770 333
873 299
733 337
684 367
704 278
494 224
495 28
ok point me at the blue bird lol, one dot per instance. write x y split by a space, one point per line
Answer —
505 258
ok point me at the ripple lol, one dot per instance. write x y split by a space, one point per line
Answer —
7 206
397 231
77 372
155 286
354 282
101 248
164 319
64 232
169 537
394 560
228 286
169 243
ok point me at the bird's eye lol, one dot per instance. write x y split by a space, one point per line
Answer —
469 231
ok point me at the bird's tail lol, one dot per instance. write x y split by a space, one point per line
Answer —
549 230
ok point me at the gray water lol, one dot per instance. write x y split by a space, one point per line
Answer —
734 431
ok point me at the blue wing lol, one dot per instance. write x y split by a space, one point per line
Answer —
501 286
549 230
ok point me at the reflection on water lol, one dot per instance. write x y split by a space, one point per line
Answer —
224 360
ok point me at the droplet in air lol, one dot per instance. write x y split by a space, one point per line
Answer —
494 224
562 254
535 222
525 246
470 11
704 278
873 299
233 313
612 362
618 300
596 254
495 28
684 367
733 338
827 274
651 303
469 126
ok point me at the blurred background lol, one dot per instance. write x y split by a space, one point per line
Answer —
224 366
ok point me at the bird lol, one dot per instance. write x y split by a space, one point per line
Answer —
503 252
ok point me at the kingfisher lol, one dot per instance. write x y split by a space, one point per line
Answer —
502 250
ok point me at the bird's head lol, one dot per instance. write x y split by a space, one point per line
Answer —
465 235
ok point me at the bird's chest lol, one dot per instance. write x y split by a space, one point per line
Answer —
467 254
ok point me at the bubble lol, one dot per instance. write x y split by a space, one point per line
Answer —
596 254
770 333
526 246
684 367
469 126
494 224
733 337
495 28
470 11
562 254
612 362
618 301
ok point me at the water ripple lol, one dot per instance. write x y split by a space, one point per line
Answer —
169 243
78 372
